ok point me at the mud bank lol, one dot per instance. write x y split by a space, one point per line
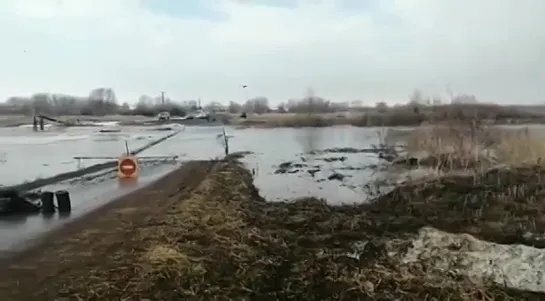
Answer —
204 233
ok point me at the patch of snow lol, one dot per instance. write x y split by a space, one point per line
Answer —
30 125
514 266
106 123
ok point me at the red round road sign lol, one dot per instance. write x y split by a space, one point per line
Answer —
127 167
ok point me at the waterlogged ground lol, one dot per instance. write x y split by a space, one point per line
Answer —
334 163
331 163
395 252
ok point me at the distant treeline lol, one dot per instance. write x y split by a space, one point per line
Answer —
99 102
103 101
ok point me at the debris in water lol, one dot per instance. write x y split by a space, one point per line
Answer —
336 176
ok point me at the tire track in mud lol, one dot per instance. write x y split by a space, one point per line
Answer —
104 229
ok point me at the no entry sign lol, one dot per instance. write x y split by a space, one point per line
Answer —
127 167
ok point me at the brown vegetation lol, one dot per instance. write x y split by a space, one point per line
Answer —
309 111
409 115
204 233
470 145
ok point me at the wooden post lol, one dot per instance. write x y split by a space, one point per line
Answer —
226 143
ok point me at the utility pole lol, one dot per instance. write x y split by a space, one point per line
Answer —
162 98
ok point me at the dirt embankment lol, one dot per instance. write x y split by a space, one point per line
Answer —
204 233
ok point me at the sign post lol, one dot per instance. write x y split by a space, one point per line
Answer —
127 167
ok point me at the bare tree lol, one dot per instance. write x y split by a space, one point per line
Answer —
464 99
282 108
257 105
310 100
312 104
234 107
213 106
382 107
417 98
101 101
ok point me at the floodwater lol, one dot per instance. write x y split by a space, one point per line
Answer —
304 148
26 155
339 175
87 194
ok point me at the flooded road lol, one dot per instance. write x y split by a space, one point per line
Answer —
322 162
87 194
28 155
52 152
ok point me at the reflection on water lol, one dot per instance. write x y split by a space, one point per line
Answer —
64 215
317 173
14 219
309 139
127 182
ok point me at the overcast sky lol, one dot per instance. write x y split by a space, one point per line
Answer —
371 50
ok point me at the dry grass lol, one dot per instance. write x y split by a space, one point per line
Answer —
224 242
521 147
465 145
272 120
396 116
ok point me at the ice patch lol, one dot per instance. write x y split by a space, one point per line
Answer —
514 266
37 140
106 123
